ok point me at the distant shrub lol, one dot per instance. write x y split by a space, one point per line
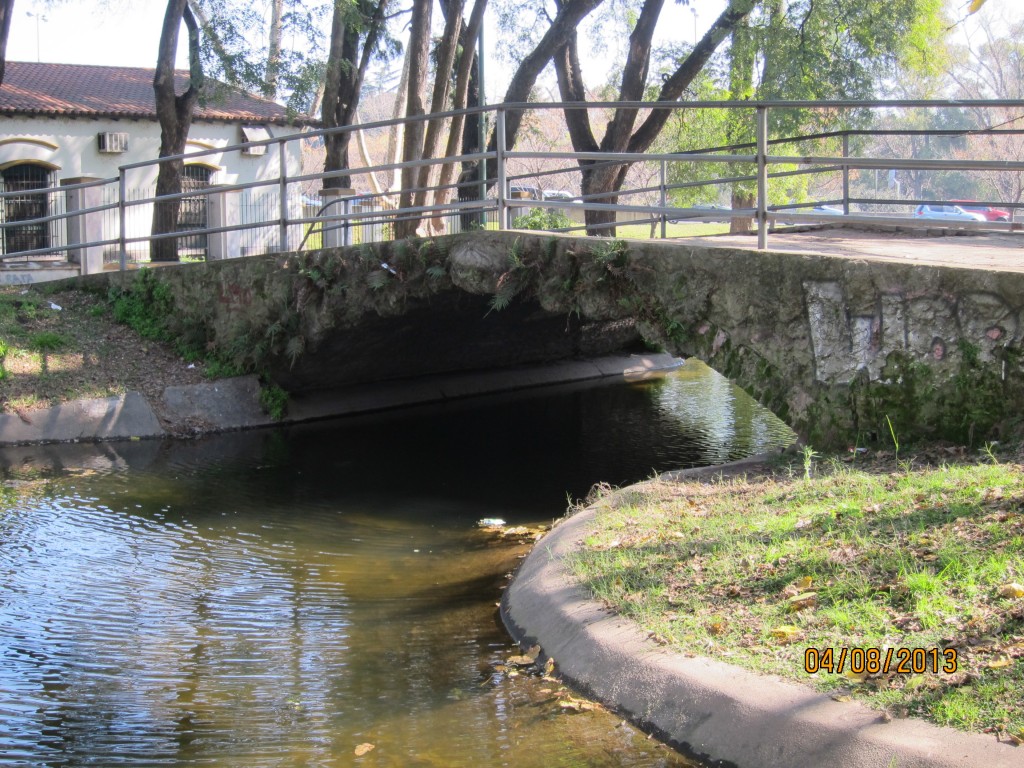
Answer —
538 218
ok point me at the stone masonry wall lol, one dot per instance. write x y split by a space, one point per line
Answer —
845 351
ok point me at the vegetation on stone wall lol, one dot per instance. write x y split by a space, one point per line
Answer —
266 314
977 403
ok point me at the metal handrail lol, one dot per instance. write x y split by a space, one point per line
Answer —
500 162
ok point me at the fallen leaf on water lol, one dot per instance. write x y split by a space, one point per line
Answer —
1013 589
362 749
578 705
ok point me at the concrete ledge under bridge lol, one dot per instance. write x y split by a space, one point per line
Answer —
838 347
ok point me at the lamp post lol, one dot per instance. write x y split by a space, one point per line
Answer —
38 17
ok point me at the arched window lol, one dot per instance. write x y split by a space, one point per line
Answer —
23 179
192 213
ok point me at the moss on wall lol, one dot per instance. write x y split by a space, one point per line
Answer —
837 348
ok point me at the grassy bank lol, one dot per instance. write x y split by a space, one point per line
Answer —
757 570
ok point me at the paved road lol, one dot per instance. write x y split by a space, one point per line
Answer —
997 251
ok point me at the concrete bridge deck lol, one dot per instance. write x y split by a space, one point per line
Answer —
1002 252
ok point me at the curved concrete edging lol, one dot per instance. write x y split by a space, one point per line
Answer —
722 714
225 405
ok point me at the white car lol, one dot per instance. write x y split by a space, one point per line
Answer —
947 212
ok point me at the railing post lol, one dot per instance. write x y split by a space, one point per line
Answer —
846 175
86 227
499 135
664 199
122 218
336 201
762 177
283 191
225 211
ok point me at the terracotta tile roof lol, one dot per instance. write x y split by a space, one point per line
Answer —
76 90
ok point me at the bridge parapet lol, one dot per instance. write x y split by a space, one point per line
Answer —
839 348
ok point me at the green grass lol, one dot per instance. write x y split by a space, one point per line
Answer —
47 341
643 231
757 571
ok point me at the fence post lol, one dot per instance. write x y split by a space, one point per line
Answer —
664 199
86 227
283 192
846 175
225 211
335 201
122 218
499 135
762 177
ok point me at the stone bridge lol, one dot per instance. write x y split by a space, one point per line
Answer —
843 350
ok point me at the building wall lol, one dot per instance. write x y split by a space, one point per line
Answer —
69 148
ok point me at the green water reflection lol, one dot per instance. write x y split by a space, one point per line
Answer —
279 598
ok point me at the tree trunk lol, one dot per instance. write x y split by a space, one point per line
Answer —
742 56
6 14
603 182
274 49
469 181
419 51
446 53
174 113
570 14
463 85
354 34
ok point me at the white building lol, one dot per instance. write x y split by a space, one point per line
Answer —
61 124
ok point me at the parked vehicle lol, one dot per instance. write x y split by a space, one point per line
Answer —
558 194
990 214
524 192
700 213
827 209
947 213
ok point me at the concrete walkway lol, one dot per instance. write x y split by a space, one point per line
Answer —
233 404
707 709
1000 252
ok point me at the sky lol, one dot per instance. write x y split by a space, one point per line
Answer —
126 33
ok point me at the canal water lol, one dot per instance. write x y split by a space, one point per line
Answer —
294 597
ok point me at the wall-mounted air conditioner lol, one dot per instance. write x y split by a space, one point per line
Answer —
112 143
255 133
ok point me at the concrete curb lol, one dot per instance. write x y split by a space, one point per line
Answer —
233 404
722 714
107 418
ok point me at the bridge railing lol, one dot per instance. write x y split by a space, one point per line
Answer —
660 190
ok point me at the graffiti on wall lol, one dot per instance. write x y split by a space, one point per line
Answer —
928 328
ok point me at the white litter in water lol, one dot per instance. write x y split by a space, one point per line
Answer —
492 522
55 307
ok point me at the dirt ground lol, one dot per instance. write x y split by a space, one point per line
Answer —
65 345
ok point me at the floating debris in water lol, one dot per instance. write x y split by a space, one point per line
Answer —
492 522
